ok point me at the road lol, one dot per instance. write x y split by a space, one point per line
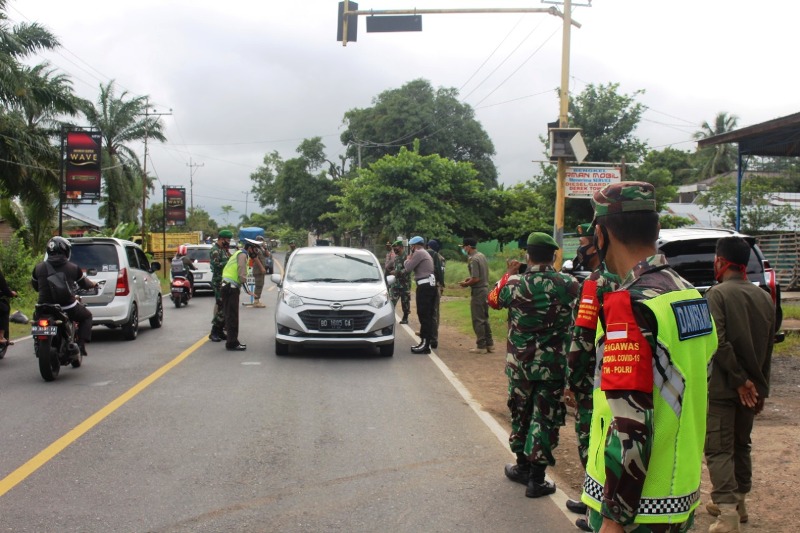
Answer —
171 432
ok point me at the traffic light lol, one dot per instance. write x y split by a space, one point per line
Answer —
352 23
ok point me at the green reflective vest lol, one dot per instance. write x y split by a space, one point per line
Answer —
687 339
231 270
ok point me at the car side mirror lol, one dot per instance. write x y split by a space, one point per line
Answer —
276 279
155 265
390 279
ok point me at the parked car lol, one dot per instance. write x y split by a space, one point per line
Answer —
132 291
200 254
335 297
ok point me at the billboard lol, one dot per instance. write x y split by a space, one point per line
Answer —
175 206
583 182
82 166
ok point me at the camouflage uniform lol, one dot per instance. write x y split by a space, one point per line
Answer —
218 259
538 303
401 288
581 361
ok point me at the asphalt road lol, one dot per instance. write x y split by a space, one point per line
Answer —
171 432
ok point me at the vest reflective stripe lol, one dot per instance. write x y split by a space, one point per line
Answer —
680 394
231 270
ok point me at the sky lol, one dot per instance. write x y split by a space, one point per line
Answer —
239 79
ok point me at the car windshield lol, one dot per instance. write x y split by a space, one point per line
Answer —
334 268
101 257
201 255
694 260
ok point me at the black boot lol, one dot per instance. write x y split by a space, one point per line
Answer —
418 346
404 319
425 347
538 486
519 472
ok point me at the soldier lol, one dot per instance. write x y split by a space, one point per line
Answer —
581 358
219 256
438 271
401 288
259 264
388 262
292 248
539 304
478 282
653 354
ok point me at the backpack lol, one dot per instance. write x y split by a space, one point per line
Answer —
59 288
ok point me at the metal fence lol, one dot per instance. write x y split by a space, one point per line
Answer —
782 251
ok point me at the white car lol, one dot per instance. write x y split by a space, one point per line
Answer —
132 291
335 297
200 254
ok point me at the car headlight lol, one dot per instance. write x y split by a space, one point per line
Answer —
291 299
379 300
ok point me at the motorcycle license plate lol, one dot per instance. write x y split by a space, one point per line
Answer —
177 290
44 330
336 324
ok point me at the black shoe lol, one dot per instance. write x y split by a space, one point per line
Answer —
537 490
223 336
582 524
424 347
518 473
434 344
576 506
404 320
237 348
82 348
215 338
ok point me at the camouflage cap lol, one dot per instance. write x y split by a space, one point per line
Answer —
537 238
624 197
585 230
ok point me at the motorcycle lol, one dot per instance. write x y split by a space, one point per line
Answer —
55 337
180 290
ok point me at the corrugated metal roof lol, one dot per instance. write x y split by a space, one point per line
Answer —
777 137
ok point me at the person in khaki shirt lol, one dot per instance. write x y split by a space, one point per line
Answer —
739 382
478 282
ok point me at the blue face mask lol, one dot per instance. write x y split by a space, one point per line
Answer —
464 251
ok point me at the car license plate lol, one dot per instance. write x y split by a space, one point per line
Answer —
198 276
336 324
44 330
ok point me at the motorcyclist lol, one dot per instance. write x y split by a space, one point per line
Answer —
182 265
59 251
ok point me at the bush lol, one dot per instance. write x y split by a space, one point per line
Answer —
17 262
453 255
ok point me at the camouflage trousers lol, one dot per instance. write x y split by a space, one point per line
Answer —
218 320
583 424
404 295
537 413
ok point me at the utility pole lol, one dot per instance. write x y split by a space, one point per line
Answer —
563 122
192 167
246 196
147 113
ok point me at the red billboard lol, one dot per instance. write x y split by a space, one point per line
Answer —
175 201
82 176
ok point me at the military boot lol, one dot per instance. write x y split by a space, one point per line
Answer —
423 348
741 507
519 472
727 521
538 486
257 303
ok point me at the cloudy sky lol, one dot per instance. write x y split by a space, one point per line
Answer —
242 78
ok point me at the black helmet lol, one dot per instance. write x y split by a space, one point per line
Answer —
59 246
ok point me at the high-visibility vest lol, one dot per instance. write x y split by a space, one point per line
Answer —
231 270
686 341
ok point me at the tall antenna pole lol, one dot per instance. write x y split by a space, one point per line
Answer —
192 168
147 113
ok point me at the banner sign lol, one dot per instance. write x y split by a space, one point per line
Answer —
175 198
82 177
583 182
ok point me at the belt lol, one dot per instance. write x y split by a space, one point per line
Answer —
423 281
232 283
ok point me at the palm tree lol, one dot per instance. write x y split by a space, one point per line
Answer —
719 158
122 120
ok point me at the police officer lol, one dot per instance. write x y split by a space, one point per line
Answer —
539 303
653 354
438 271
234 277
219 256
420 265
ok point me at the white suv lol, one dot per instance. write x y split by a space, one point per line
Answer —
132 292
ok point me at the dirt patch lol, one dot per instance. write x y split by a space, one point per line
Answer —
776 435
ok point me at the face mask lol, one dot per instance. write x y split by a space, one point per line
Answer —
464 251
583 252
721 266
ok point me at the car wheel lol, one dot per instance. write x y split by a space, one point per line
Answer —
157 319
387 350
130 329
281 348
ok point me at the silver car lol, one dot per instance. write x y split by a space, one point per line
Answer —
335 297
200 254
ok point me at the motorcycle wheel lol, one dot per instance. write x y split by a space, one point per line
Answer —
49 365
177 302
3 348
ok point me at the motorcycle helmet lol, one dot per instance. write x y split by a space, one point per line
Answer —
59 246
182 250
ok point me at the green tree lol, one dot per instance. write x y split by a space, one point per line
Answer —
719 158
521 210
122 120
758 214
410 193
442 123
226 212
198 219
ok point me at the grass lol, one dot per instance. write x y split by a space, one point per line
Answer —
791 310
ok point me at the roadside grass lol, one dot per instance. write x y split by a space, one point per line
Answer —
24 304
791 310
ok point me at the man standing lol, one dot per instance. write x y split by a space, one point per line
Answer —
478 282
292 248
438 271
401 288
539 304
234 277
219 256
421 264
259 271
739 384
388 262
657 340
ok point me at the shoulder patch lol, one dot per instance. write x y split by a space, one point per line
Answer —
588 306
693 318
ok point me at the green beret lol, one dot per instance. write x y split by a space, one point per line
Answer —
226 234
585 230
537 238
397 243
624 197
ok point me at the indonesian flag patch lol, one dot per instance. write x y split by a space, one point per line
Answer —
589 307
627 357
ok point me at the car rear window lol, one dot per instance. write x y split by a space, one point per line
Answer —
101 257
334 268
694 260
202 255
